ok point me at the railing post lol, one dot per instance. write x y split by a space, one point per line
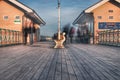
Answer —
9 37
106 37
12 37
119 37
101 37
17 37
115 37
109 38
0 37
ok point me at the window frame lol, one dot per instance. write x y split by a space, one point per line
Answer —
111 17
16 17
110 11
99 17
5 17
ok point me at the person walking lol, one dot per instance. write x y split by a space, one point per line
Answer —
71 34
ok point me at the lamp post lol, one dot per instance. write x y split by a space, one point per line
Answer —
59 20
61 38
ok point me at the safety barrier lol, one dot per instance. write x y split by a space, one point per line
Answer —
109 37
10 37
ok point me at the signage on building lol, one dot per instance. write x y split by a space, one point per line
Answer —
109 25
17 21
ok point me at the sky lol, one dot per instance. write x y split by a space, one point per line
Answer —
47 10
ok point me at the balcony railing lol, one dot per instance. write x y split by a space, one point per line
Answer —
10 37
109 37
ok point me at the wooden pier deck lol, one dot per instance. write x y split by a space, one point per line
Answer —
76 62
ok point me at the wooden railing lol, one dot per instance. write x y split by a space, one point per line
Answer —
10 37
109 37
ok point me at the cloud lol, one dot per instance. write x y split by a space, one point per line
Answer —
68 15
47 10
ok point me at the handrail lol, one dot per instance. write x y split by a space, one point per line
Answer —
109 37
10 37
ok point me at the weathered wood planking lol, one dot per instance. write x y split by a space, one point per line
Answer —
76 62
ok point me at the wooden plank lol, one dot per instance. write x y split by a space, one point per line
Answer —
88 66
76 62
84 75
24 66
77 70
103 68
65 74
51 72
9 70
33 68
71 71
42 72
58 71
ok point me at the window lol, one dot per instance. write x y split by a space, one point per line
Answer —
110 11
110 17
17 17
5 17
99 17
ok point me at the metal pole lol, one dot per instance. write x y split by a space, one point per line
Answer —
58 19
59 42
